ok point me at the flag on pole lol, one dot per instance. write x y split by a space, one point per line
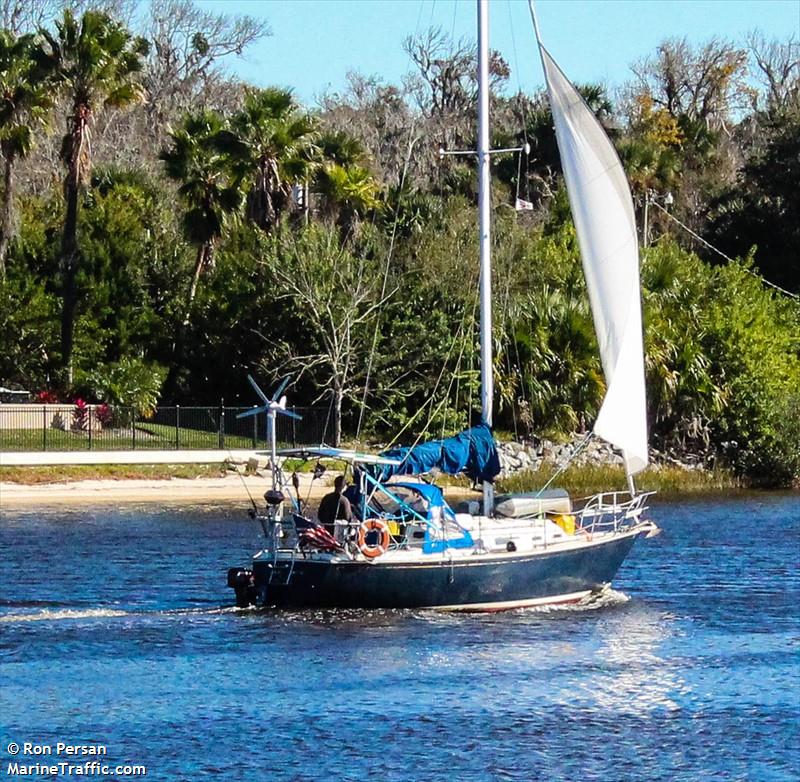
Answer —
522 206
320 538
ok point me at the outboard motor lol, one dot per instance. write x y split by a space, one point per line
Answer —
243 584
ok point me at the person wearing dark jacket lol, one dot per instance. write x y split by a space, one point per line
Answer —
335 506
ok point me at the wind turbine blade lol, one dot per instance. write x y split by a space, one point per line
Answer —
254 411
260 393
280 388
290 414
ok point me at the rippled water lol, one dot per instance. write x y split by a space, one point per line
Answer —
116 628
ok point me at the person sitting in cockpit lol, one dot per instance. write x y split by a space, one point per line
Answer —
335 506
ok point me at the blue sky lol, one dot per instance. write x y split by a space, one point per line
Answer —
316 42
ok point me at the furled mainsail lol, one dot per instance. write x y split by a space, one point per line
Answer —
602 210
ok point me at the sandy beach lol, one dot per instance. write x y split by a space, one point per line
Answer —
230 488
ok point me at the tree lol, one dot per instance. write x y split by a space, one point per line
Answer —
684 392
183 65
705 84
25 101
446 84
348 189
379 116
776 65
761 209
210 192
98 62
447 81
332 296
19 17
271 141
134 265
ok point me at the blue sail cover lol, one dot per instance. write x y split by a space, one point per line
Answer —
472 452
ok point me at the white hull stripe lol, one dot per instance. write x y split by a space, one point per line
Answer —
506 605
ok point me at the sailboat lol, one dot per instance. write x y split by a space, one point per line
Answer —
406 547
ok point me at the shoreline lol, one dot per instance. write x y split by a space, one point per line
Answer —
204 490
167 491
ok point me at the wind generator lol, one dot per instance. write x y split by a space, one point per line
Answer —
271 407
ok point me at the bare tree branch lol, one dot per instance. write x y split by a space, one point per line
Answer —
776 66
188 45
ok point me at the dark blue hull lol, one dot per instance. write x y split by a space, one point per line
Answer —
483 583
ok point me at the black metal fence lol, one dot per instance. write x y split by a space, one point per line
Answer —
106 428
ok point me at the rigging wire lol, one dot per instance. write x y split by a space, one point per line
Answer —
419 17
455 378
327 419
578 448
413 140
521 101
520 93
244 483
522 384
416 415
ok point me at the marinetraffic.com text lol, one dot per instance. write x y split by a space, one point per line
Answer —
30 759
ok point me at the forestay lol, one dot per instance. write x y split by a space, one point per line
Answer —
602 210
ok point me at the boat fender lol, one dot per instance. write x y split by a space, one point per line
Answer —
373 550
566 521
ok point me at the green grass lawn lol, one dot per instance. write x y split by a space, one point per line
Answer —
64 473
146 436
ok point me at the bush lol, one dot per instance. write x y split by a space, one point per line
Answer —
80 416
104 415
132 383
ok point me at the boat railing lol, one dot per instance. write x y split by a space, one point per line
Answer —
611 511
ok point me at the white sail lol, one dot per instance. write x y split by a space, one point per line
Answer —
602 210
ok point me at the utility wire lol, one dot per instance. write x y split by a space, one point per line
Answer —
719 252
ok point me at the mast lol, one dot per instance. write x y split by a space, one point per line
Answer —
484 217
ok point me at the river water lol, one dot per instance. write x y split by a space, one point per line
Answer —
116 628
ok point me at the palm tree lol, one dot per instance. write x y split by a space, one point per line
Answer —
348 189
25 99
336 146
98 61
273 144
210 191
349 193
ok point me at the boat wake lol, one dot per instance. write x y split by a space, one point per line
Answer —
77 614
608 598
49 615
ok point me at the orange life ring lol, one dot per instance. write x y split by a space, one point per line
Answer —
372 550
